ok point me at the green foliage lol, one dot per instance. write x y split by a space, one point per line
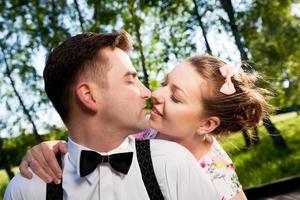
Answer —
163 33
264 163
15 148
272 35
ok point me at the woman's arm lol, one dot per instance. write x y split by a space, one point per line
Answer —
42 161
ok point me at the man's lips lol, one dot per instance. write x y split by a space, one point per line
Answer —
155 110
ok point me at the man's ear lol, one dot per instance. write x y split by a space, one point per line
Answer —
208 125
88 96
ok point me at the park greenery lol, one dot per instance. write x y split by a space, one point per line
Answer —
265 33
265 163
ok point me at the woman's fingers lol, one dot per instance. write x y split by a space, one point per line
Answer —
42 161
24 169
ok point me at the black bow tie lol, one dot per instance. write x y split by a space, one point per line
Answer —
89 161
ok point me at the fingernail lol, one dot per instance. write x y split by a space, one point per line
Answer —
59 175
49 180
57 181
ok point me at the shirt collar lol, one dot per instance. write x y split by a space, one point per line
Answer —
75 150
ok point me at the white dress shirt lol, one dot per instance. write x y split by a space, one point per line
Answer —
178 174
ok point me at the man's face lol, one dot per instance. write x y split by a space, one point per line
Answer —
125 96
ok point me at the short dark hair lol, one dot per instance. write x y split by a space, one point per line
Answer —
78 55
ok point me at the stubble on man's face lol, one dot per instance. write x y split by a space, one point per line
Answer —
125 101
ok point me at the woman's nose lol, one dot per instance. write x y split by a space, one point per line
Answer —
157 97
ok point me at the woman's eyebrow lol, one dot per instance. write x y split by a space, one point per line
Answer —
175 87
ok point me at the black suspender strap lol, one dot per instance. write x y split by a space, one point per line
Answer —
146 166
54 191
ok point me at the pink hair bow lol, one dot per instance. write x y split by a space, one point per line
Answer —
227 71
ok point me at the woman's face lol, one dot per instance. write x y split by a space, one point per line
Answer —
177 110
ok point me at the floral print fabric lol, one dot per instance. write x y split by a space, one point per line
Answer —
219 167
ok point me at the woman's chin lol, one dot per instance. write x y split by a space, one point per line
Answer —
155 125
152 123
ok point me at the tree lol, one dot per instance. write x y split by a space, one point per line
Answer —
197 17
23 32
272 34
136 23
17 94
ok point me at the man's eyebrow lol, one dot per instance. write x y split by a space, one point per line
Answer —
130 73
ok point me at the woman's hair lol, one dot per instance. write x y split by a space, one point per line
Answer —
242 109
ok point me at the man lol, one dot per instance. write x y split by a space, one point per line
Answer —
93 86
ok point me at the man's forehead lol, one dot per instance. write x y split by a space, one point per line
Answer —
119 60
131 69
114 52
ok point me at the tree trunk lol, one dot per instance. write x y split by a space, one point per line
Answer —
227 6
9 171
79 15
246 138
251 139
276 136
137 27
53 16
204 33
255 137
5 161
25 110
97 5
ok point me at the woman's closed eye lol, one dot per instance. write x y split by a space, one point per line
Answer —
163 84
174 99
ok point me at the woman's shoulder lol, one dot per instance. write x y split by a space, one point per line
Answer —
217 154
219 167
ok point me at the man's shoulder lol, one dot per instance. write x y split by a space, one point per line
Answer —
169 149
178 172
23 188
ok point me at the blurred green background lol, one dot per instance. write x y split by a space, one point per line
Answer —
265 33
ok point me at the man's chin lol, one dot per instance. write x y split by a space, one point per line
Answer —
141 125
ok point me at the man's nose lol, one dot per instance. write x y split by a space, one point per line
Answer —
145 92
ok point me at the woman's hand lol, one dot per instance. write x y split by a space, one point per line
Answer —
42 161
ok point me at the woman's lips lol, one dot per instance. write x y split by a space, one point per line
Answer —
155 111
